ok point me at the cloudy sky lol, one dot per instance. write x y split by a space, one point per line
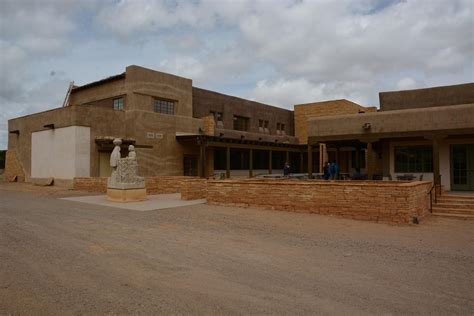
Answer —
280 52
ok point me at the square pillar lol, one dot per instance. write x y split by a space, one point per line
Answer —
250 163
310 161
270 162
227 172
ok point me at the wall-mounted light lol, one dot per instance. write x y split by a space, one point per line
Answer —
366 126
49 126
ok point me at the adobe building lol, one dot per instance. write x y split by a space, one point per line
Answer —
179 129
426 133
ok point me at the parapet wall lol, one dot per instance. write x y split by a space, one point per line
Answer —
154 185
389 202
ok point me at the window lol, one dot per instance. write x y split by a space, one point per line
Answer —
118 104
164 106
280 128
217 116
263 126
241 123
413 159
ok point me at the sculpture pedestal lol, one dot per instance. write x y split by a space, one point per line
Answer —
126 195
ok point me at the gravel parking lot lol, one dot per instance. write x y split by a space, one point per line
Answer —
63 257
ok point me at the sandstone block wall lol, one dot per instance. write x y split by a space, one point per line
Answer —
389 202
319 109
154 185
90 184
158 185
13 169
194 189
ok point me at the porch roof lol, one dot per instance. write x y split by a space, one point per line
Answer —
425 122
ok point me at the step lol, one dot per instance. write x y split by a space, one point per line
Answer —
466 206
455 201
454 216
452 211
457 196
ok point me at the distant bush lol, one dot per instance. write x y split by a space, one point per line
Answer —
2 159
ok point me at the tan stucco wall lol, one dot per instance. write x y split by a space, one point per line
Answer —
390 123
429 97
99 94
164 158
143 85
321 109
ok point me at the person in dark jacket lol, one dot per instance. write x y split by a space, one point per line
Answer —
286 169
326 171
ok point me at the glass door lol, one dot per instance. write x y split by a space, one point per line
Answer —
462 167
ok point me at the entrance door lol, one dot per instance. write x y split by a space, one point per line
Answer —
104 164
462 167
190 165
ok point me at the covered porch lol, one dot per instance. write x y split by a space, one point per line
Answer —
434 144
230 157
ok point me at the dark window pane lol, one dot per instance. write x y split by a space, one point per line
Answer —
413 159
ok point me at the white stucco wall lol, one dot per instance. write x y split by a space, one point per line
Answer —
62 153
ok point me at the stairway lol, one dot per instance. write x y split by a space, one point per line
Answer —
454 205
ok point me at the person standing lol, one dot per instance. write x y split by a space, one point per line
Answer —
326 173
286 169
334 169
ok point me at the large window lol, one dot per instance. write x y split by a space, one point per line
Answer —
241 123
164 106
413 159
118 104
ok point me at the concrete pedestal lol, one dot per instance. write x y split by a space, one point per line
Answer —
126 195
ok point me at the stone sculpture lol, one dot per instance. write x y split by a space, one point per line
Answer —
124 184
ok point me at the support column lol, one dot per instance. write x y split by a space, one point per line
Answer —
301 162
227 172
357 156
250 163
270 163
202 159
310 161
386 158
435 142
436 172
370 161
287 158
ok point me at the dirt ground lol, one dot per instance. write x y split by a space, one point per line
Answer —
62 257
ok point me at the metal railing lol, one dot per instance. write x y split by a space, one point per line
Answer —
436 183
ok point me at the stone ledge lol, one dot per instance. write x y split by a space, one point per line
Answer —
126 195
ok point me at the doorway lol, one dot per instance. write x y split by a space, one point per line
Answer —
462 167
190 164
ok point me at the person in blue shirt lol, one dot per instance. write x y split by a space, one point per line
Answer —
334 170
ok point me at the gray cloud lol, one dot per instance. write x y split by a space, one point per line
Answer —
281 53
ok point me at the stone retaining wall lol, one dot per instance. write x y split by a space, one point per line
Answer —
379 201
13 169
154 185
194 189
90 184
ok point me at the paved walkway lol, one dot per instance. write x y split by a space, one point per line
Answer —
154 202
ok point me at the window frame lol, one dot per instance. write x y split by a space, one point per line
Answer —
163 106
419 159
245 121
120 105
